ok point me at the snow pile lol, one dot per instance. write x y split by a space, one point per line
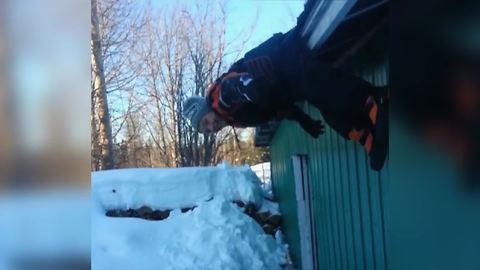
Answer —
216 234
269 206
174 187
262 170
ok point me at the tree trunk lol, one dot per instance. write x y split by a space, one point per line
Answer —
94 137
104 136
208 150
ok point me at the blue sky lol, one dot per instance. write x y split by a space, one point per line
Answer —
273 16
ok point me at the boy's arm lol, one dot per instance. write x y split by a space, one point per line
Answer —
313 127
238 66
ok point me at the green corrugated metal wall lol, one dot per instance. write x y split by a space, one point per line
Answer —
348 197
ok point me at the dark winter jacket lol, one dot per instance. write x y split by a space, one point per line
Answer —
254 90
257 88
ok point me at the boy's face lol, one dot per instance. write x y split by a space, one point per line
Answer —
211 123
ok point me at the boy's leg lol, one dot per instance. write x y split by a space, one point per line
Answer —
351 106
378 108
370 129
359 130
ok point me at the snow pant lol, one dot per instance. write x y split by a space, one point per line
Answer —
345 101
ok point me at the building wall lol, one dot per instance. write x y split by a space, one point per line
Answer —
348 197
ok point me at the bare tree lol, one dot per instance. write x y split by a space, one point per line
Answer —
164 56
116 26
154 59
101 114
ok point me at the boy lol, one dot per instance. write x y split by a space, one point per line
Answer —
271 78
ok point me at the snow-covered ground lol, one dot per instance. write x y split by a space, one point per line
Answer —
262 170
216 234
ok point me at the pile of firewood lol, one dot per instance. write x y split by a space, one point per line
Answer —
270 222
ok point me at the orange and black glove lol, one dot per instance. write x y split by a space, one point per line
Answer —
313 127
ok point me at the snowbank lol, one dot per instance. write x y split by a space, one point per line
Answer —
262 170
172 188
214 235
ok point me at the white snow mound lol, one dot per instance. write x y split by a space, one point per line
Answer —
215 235
172 188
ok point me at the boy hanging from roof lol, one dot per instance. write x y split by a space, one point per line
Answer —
267 82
